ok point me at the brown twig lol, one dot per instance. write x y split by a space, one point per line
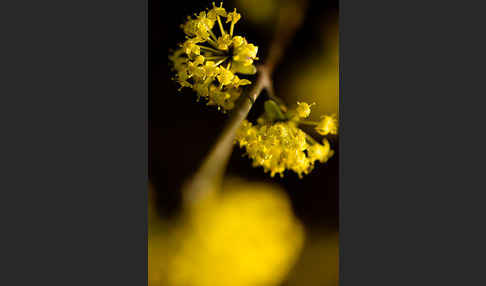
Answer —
209 176
212 170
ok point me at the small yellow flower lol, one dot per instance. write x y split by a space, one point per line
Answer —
223 98
200 27
303 109
225 76
224 42
214 13
233 17
327 125
319 152
205 61
237 82
211 69
190 47
245 54
239 41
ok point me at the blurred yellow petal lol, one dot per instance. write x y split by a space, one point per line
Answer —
247 236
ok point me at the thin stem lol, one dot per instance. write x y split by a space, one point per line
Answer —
221 26
212 43
309 122
212 34
221 61
210 174
232 28
216 57
212 50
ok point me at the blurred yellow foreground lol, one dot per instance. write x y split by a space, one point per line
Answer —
246 236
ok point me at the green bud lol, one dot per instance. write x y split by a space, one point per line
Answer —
273 111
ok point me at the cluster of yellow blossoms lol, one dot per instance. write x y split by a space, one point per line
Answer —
208 64
281 145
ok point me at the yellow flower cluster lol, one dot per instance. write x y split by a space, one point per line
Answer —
245 236
209 64
282 145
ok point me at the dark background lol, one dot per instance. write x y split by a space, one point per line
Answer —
74 190
181 130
